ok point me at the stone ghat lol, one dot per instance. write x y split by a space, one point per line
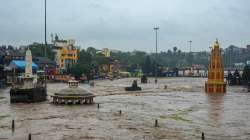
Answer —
72 99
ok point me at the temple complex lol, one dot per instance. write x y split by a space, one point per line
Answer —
28 87
215 82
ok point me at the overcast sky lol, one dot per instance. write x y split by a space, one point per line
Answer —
128 24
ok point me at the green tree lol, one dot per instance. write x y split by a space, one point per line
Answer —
175 49
147 66
179 52
79 69
37 50
92 51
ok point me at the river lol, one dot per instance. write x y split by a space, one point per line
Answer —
183 112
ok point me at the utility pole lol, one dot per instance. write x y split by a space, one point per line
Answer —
45 40
190 51
45 28
156 53
190 46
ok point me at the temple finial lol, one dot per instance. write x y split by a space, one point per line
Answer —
217 40
216 44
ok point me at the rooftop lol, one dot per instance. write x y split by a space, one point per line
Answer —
20 64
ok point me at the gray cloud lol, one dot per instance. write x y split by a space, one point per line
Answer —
128 24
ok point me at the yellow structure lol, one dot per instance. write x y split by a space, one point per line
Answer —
105 52
215 83
67 57
65 53
111 67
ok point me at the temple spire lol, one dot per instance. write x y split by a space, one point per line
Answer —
28 65
215 82
216 44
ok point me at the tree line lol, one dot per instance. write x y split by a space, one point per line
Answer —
88 60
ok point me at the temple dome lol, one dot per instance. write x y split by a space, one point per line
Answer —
73 89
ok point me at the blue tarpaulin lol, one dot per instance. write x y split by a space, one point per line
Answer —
20 64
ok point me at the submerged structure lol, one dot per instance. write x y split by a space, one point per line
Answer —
215 82
73 95
235 78
134 87
144 79
28 88
248 87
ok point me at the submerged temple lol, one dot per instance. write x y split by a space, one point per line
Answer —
215 82
28 88
73 95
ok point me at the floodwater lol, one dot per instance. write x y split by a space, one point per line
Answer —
183 112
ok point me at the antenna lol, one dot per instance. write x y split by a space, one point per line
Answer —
52 37
190 45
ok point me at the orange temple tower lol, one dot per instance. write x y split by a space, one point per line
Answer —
215 82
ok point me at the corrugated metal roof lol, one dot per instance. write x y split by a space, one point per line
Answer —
21 64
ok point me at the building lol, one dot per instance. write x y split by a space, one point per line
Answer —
104 52
248 63
66 54
215 82
105 68
248 47
17 68
47 65
20 65
108 66
2 72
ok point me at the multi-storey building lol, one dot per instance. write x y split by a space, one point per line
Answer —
65 53
109 67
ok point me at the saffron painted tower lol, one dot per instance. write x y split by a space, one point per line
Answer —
215 82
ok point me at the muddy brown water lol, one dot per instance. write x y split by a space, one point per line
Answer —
183 112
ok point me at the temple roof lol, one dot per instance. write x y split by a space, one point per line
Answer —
20 64
73 90
44 62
